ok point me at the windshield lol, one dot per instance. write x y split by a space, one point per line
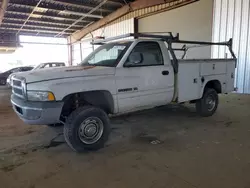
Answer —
107 55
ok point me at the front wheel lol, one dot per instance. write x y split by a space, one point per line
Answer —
87 128
208 104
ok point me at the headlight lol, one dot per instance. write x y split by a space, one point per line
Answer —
40 96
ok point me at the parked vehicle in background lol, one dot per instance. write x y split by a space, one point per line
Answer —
40 66
4 76
117 78
49 65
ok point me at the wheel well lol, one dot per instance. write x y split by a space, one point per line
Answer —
214 84
100 98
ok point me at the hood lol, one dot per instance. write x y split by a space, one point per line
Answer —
65 72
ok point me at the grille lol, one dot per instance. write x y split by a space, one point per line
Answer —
17 91
17 88
17 83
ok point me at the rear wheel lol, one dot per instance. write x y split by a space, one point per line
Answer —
208 104
87 128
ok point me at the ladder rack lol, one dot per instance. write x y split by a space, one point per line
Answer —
170 39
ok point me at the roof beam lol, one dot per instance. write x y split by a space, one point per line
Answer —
76 5
80 19
59 7
36 15
36 26
4 6
29 15
139 4
55 11
31 30
2 31
115 2
41 23
46 20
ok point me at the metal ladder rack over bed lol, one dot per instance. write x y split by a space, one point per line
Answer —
170 39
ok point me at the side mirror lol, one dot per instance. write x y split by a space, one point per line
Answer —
134 58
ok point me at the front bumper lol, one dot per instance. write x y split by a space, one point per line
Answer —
37 113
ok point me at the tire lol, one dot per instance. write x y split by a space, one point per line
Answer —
87 128
208 104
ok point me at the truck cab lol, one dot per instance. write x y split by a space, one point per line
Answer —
143 75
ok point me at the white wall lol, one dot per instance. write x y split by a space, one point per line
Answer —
193 22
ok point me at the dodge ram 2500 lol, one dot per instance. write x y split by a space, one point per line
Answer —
120 77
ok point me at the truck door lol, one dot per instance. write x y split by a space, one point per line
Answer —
144 81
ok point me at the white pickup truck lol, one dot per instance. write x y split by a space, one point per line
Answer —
119 77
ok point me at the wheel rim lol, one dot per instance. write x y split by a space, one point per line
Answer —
211 102
91 130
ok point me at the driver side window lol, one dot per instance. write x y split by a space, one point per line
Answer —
145 54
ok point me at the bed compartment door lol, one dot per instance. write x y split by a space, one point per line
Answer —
189 81
213 68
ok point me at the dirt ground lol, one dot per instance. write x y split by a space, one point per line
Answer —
167 147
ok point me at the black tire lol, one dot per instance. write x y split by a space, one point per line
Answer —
208 104
73 128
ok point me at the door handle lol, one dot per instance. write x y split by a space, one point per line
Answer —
165 73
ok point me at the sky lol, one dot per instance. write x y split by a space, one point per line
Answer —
34 54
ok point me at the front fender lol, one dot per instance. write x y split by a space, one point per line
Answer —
64 87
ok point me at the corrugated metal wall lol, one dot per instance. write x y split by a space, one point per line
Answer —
232 20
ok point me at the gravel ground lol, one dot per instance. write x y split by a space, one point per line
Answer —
167 147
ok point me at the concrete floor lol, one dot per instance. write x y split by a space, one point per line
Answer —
167 147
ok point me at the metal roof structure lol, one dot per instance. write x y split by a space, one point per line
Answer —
56 18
